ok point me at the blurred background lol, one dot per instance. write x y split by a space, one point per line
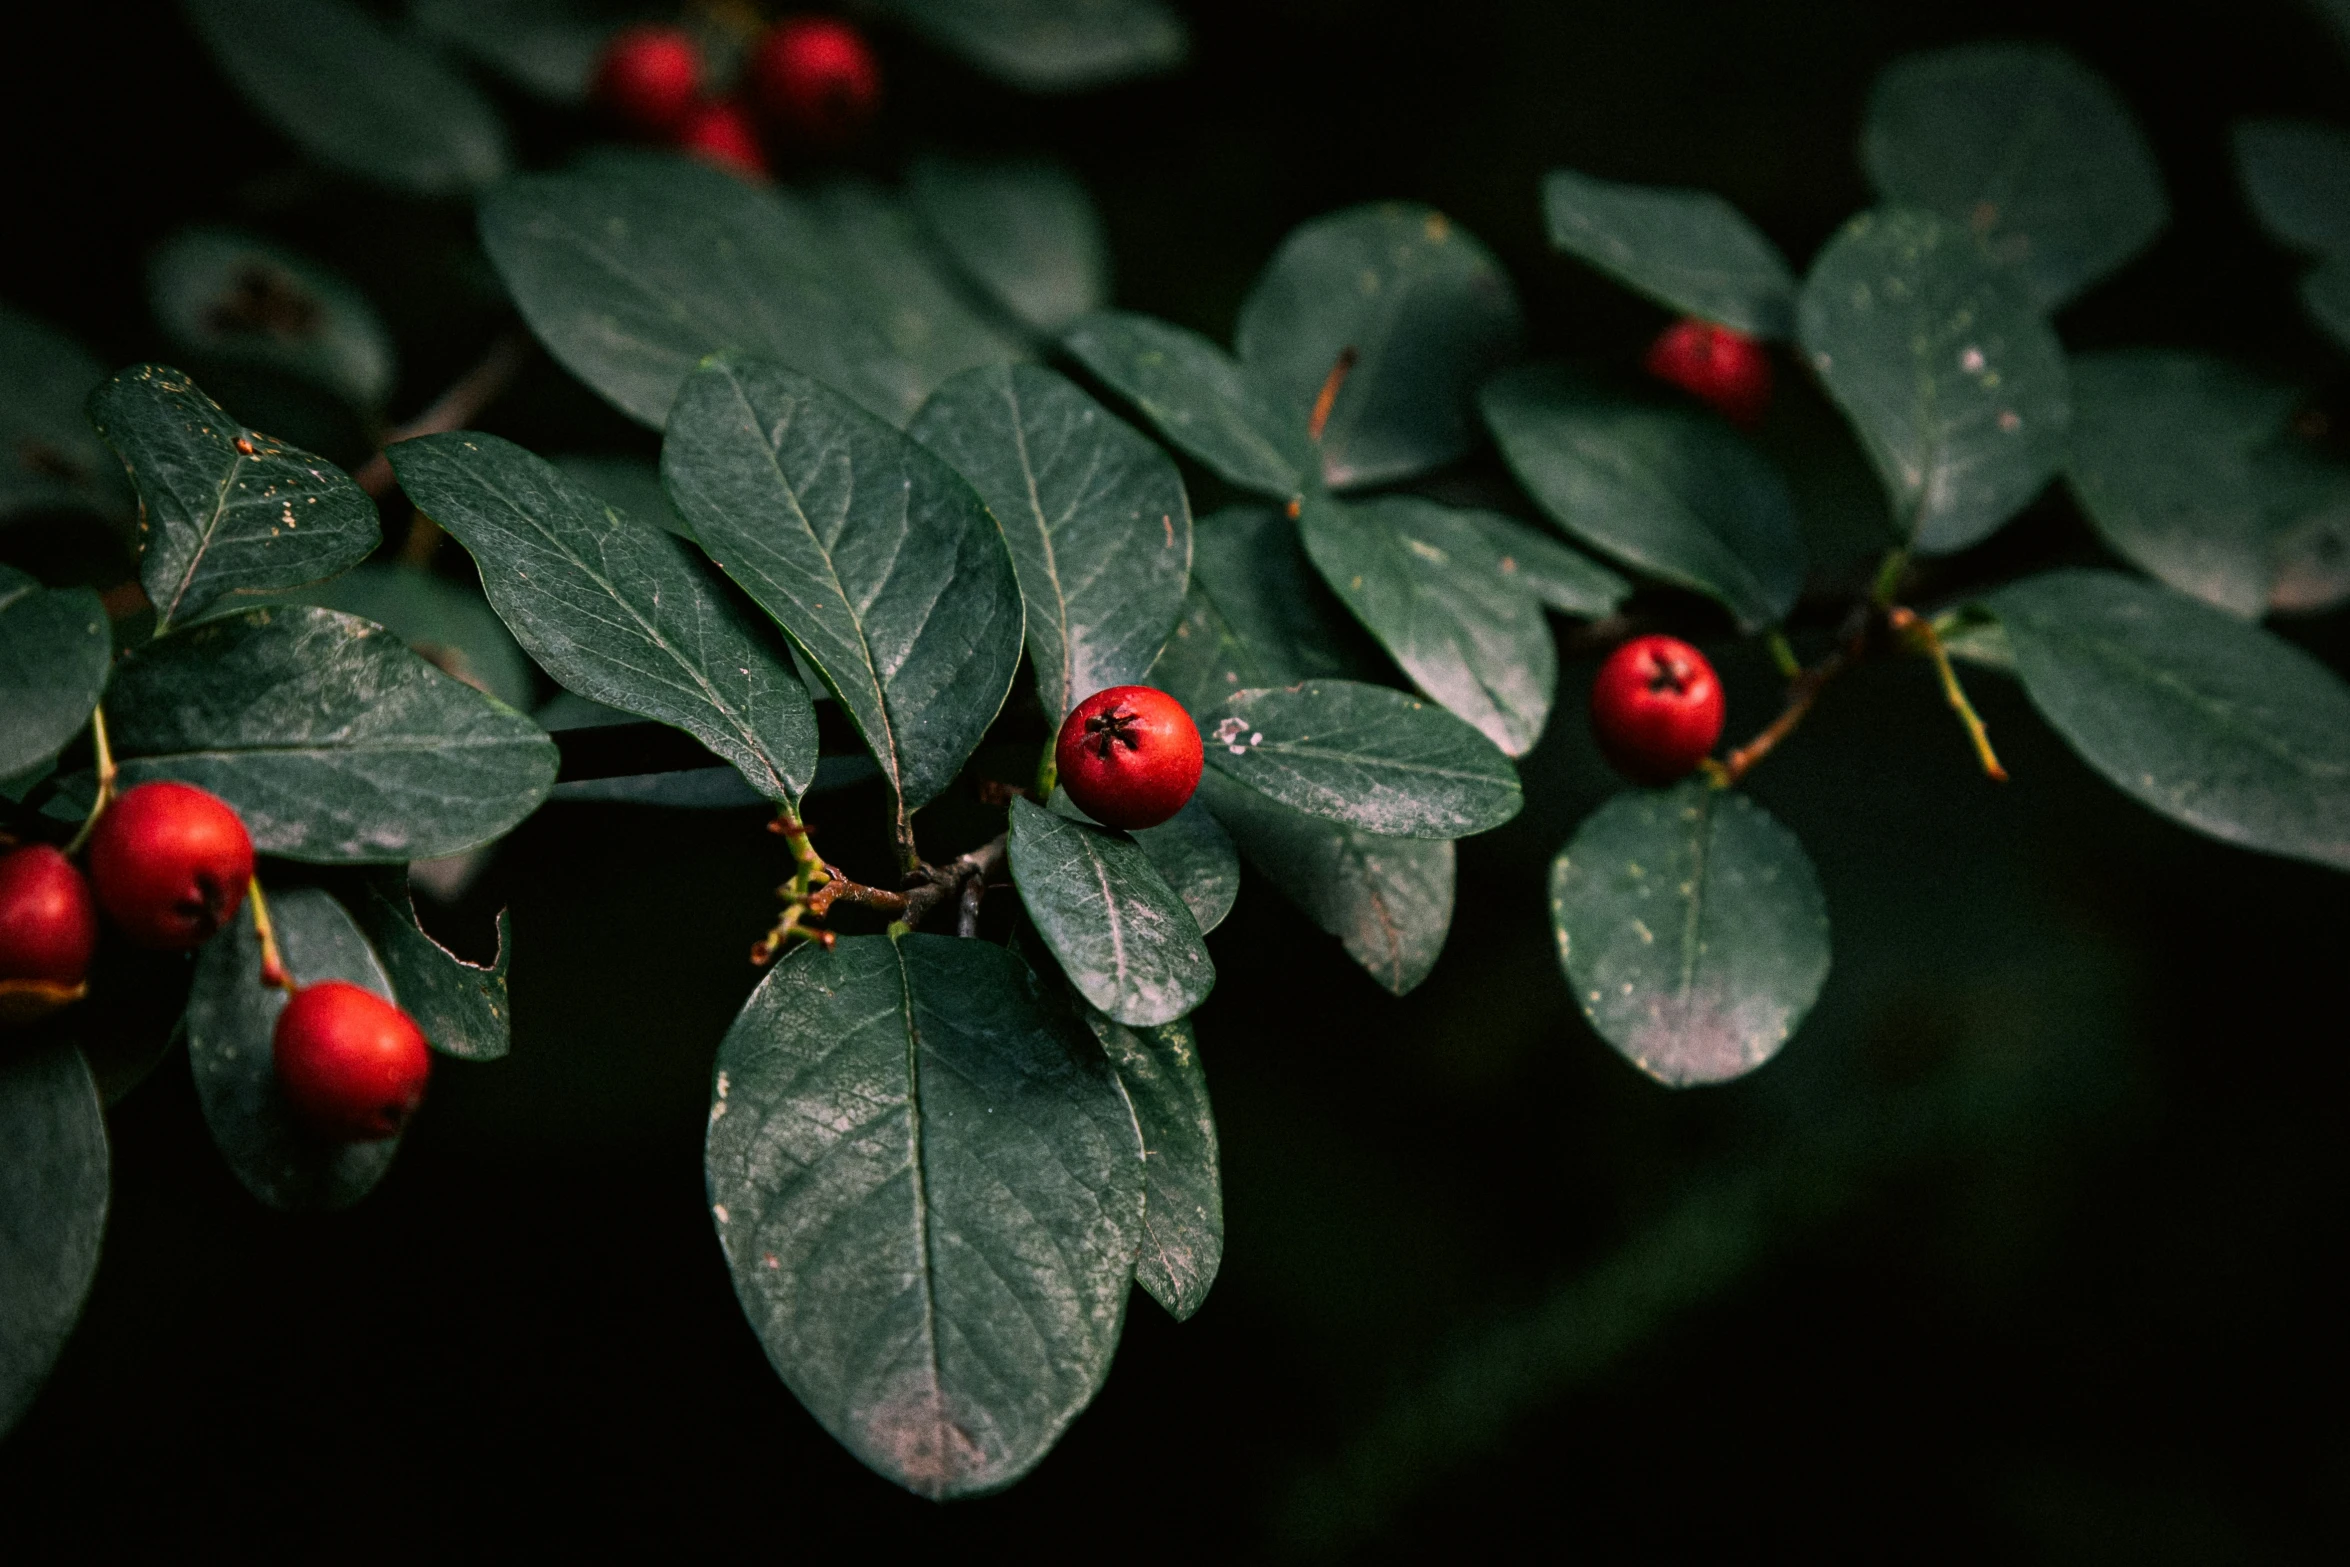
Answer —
2017 1252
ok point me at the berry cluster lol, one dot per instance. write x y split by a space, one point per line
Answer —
811 80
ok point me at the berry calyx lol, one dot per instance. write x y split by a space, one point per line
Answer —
721 133
1727 369
817 76
650 78
351 1065
48 930
1129 756
170 862
1657 709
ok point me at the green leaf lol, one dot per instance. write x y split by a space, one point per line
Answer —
2296 175
2023 148
1387 900
2325 294
49 455
1689 250
1182 1187
1099 528
54 1185
1376 759
1563 579
893 268
54 650
1431 587
224 509
1196 857
550 47
929 1191
334 742
233 298
462 1007
354 94
1053 45
1667 490
1199 397
1427 309
1692 930
1948 372
615 609
1124 938
1025 231
232 1016
2211 722
629 485
1256 615
449 626
877 557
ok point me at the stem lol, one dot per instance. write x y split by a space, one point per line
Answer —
967 908
1326 398
1889 574
1783 654
1800 697
1923 637
457 407
105 781
273 968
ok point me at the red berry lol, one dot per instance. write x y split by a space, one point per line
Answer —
48 929
1727 369
1129 756
1656 708
817 75
721 132
650 78
350 1064
171 863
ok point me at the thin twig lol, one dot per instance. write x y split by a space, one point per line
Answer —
457 407
105 781
1922 636
967 910
273 967
1327 398
1801 694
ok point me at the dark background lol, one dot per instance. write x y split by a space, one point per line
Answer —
2018 1251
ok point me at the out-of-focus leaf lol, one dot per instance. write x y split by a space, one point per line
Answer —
1182 1186
550 47
2325 294
1563 579
232 298
878 248
1124 938
1025 231
629 485
49 455
1689 250
462 1007
1053 45
1198 860
54 649
54 1185
449 626
2296 175
1200 398
1256 615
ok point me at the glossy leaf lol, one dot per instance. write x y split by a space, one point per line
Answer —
615 609
354 94
1692 930
876 556
2024 149
1025 231
231 1019
449 626
1374 758
629 485
1053 45
54 1186
1387 900
1948 372
1689 250
1123 937
1560 578
224 509
1428 311
1200 398
1256 615
1196 857
1667 490
550 47
462 1007
2296 175
49 455
226 297
2211 722
54 651
928 1188
334 742
1182 1185
1431 587
1099 528
894 269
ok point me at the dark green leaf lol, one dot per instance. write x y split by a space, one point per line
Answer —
929 1190
333 741
1387 900
615 609
1376 759
231 1019
1125 939
1426 308
898 276
451 627
1199 397
354 94
1948 372
1196 857
688 789
2297 177
1182 1186
224 509
1667 490
2213 723
1431 587
1564 579
2325 294
1692 930
1256 615
461 1006
1025 231
1689 250
2025 149
877 557
49 456
1053 45
54 648
550 47
1095 515
630 486
54 1185
233 298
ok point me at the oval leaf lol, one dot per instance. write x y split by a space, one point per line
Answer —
1025 231
1182 1185
449 626
1563 579
929 1191
2296 175
1053 45
1196 857
54 1185
54 649
1948 372
630 486
1692 930
1689 250
462 1007
1121 934
878 249
550 47
49 456
1256 615
1200 398
233 298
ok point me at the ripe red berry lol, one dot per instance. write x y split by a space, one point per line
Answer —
721 132
1727 369
816 75
171 863
48 929
1129 756
1656 708
650 78
350 1064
